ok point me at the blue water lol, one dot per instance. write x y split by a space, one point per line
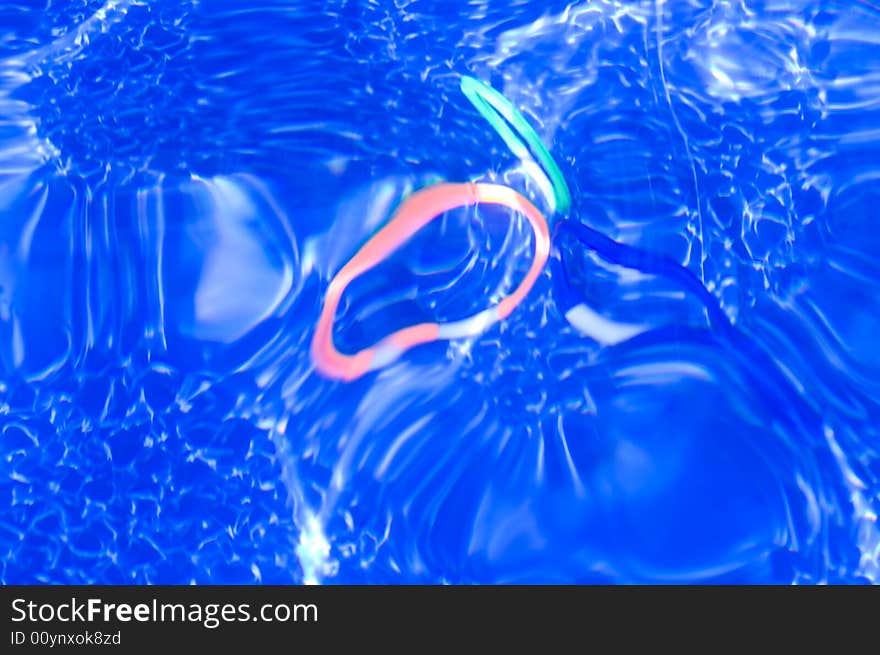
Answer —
180 180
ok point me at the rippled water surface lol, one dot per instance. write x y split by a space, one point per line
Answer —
689 393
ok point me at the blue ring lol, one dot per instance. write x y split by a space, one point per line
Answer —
757 366
629 257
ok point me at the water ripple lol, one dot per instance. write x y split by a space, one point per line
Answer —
688 395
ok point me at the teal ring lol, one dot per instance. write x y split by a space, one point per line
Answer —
517 134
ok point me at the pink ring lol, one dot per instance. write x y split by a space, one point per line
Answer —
414 213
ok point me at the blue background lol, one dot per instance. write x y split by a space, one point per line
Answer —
180 180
